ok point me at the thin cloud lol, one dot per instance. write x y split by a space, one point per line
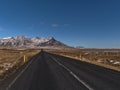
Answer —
55 25
58 25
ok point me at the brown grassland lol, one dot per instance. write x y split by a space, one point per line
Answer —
11 60
109 58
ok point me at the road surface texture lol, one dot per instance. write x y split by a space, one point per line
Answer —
47 71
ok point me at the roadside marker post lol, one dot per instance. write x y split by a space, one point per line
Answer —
24 58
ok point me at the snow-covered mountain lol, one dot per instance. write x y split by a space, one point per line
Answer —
36 42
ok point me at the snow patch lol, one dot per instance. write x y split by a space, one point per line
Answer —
7 38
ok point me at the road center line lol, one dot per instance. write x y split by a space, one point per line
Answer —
73 74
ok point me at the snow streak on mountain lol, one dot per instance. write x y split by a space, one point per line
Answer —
36 42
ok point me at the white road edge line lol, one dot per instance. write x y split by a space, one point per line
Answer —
73 74
9 86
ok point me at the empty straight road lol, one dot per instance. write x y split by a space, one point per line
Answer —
47 71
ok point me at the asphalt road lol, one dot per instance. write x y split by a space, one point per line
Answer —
47 71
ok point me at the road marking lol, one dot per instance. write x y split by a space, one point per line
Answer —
9 86
73 74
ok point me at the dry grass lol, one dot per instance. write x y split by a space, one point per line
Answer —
11 59
109 58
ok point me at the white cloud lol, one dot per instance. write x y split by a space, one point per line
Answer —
55 25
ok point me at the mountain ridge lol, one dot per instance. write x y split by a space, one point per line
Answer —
35 42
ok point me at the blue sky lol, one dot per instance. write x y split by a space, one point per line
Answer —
88 23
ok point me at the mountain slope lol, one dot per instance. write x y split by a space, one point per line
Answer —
36 42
